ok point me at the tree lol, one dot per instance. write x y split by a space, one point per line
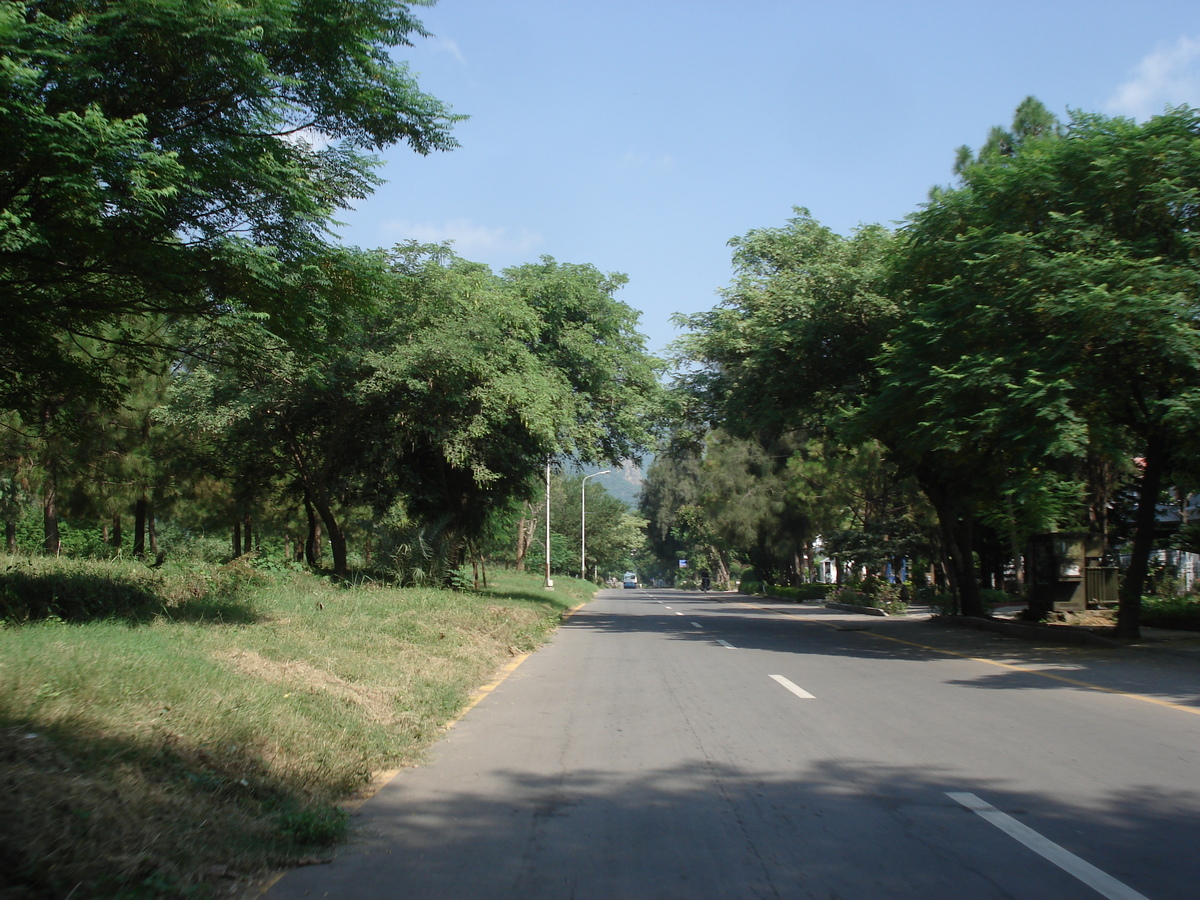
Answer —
441 389
792 342
584 333
786 355
1053 314
176 157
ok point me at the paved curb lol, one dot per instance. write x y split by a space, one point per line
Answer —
850 607
1062 634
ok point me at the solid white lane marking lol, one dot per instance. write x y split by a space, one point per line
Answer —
795 689
726 644
697 625
1101 882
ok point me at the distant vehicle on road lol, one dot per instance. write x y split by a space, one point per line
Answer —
631 580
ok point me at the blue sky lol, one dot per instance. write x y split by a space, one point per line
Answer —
642 136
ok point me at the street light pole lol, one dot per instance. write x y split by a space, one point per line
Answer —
583 522
549 581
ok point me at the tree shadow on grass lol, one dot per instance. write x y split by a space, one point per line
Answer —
105 817
546 598
81 597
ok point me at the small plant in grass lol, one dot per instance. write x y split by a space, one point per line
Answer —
318 826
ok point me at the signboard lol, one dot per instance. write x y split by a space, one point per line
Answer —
683 564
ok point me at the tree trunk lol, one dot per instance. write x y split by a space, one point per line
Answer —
10 536
139 526
1100 479
957 531
247 534
151 528
236 543
337 539
51 539
116 531
312 541
1129 607
526 529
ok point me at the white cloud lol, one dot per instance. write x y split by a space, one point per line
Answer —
1170 76
318 140
451 47
468 237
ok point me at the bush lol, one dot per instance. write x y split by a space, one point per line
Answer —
750 587
993 597
83 590
1172 612
875 593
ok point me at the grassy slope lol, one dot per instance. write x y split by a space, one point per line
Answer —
175 753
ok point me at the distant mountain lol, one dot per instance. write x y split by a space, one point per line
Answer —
624 482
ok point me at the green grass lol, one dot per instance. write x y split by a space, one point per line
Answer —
195 739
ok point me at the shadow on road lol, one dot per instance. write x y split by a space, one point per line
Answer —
840 828
804 629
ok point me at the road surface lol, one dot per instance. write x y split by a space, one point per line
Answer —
686 745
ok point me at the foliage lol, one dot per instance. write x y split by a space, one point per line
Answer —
35 589
444 393
876 593
182 158
1030 284
978 345
800 592
1172 611
792 340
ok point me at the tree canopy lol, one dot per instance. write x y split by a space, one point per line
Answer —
1017 344
176 157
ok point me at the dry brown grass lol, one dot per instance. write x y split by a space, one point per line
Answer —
184 755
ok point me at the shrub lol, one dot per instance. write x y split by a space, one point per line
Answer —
1172 612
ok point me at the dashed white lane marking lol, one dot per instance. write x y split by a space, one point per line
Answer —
795 689
1101 882
726 644
678 613
697 625
668 607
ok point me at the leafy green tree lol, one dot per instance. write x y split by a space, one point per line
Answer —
442 388
725 503
176 157
1053 315
584 333
792 343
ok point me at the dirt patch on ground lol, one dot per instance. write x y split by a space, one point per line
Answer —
305 676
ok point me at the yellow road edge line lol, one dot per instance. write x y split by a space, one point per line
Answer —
1169 704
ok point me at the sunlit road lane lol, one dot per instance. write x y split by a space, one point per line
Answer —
636 756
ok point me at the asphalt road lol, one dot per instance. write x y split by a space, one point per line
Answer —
697 746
